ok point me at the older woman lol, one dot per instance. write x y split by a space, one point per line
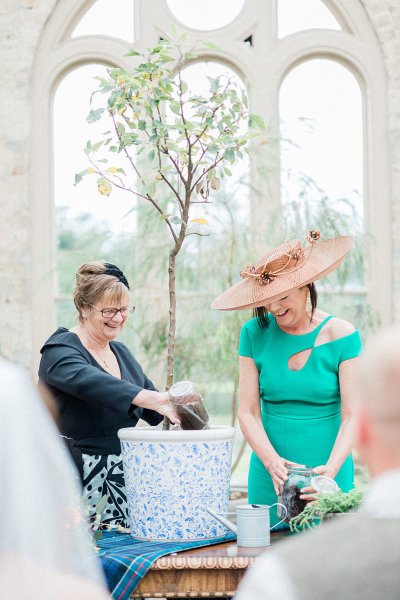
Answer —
296 368
99 386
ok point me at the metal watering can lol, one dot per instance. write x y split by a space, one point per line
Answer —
253 524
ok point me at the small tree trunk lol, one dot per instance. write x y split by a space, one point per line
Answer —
172 319
171 326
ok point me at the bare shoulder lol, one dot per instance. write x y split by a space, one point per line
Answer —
337 328
334 329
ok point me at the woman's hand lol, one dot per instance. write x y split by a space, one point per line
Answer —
325 470
158 401
278 471
308 493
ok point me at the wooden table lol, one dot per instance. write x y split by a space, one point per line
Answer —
210 572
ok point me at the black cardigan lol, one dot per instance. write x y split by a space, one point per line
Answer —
93 404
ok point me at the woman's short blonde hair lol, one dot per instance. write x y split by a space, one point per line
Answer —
94 284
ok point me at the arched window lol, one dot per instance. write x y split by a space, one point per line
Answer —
84 219
322 162
302 15
102 18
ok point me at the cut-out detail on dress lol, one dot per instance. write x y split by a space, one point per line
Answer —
298 361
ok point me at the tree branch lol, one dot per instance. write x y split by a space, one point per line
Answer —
145 197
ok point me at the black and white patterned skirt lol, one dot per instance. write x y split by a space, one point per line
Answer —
104 476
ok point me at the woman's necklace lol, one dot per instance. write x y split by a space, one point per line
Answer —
100 359
103 360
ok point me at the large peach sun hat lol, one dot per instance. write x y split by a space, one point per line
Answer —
287 267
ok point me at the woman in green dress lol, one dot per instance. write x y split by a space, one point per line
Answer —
296 368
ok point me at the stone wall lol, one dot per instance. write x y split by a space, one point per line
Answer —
385 19
21 24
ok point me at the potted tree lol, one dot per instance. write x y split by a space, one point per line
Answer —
177 146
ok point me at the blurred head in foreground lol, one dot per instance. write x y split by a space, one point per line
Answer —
377 404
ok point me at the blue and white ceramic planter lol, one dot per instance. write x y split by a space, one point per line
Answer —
171 477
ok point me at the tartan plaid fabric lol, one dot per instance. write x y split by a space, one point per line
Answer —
125 560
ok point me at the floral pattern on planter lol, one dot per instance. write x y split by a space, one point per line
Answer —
169 485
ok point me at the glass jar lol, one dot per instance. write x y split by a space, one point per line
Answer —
188 405
298 478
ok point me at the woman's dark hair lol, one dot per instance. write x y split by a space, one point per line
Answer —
261 313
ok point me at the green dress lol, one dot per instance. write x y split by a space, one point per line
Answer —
300 409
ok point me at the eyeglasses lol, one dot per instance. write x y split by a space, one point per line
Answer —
110 313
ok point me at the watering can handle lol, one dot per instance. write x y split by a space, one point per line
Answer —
281 521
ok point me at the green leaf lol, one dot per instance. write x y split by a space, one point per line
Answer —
142 125
112 99
164 58
94 115
150 188
214 84
227 171
132 53
129 139
88 147
164 217
212 46
151 155
175 107
79 176
175 220
256 121
229 155
97 146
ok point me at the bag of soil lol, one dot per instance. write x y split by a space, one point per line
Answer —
188 405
